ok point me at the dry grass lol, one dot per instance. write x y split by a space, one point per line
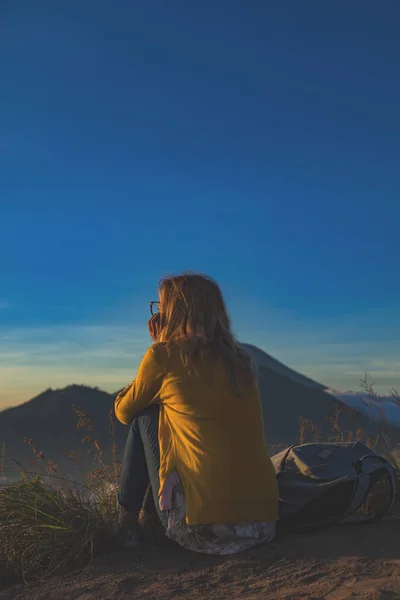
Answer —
382 443
45 529
49 523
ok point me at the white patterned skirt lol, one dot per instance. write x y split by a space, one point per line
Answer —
214 539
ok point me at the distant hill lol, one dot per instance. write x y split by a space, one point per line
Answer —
50 421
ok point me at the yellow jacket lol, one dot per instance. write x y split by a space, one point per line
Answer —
211 437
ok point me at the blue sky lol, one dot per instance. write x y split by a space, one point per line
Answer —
257 142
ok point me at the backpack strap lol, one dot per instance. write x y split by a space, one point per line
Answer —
364 483
392 480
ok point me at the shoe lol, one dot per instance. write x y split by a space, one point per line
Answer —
126 519
133 531
132 539
151 529
128 530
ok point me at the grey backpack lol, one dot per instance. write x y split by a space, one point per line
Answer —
326 484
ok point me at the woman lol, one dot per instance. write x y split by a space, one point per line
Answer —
196 430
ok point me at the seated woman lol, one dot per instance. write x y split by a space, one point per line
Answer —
196 430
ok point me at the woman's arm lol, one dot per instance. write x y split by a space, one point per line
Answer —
145 389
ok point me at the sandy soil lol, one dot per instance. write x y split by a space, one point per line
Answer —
344 563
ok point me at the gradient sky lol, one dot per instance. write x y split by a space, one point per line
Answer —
258 142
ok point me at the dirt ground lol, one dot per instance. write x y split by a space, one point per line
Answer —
344 563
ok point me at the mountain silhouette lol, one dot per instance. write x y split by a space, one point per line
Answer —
47 426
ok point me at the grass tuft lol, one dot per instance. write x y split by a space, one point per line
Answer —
50 523
44 529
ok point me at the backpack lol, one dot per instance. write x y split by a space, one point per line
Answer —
325 484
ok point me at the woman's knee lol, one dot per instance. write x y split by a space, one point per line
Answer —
149 411
147 418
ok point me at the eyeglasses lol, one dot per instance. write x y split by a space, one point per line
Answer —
154 307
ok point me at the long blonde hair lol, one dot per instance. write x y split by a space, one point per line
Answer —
192 310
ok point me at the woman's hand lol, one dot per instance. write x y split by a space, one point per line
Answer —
154 325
